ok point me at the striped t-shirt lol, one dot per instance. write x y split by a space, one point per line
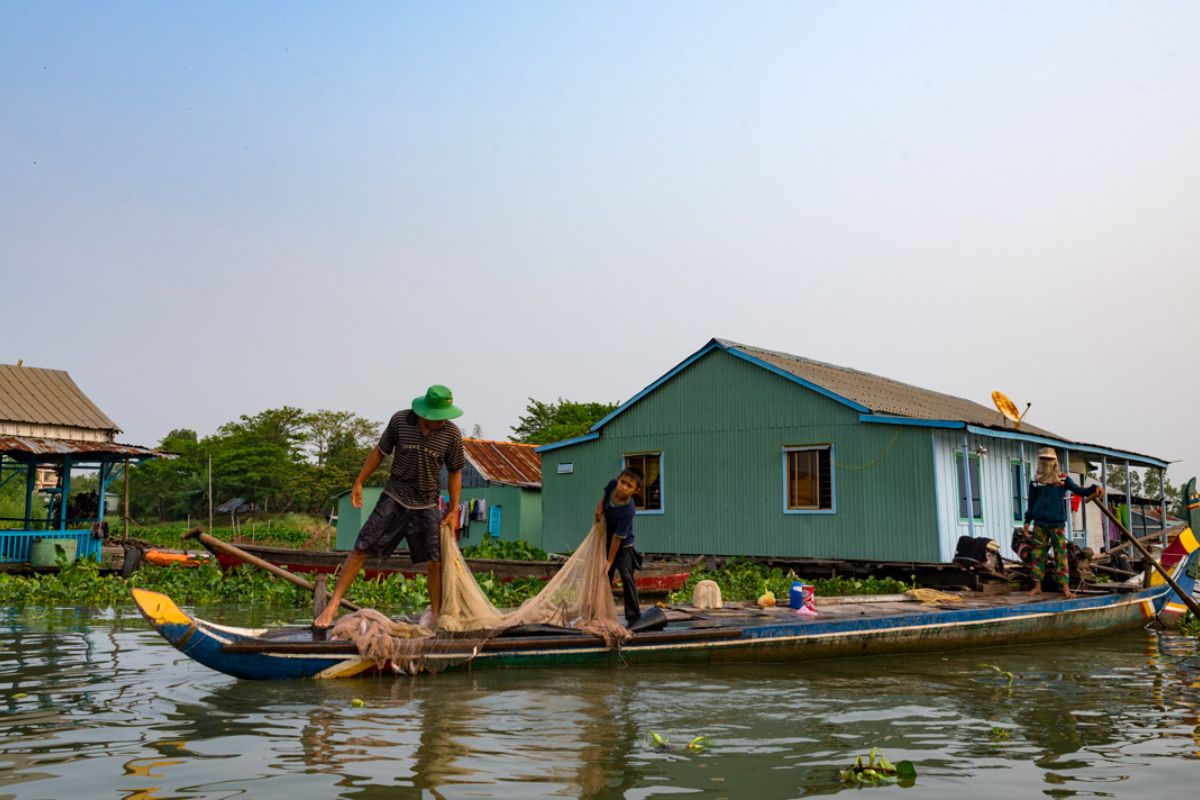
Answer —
418 459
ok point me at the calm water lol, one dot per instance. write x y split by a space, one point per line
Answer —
110 710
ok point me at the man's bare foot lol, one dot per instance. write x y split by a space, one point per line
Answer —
1036 590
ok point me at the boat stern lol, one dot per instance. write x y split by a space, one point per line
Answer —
1182 557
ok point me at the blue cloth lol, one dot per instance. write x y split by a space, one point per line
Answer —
1046 502
618 518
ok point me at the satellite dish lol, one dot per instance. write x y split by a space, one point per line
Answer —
1009 409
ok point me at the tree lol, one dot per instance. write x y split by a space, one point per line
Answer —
336 432
544 423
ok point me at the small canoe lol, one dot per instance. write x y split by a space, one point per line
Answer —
655 577
166 558
694 637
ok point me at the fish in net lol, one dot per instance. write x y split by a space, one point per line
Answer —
578 596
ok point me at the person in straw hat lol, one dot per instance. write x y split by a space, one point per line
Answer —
1047 511
421 440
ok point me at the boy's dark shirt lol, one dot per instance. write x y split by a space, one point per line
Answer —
1046 505
618 519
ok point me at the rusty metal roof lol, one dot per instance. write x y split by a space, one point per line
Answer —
884 396
38 446
48 397
510 463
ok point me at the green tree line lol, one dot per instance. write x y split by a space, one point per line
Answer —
281 459
287 459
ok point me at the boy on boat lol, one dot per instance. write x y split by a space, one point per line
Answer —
421 441
617 508
1047 511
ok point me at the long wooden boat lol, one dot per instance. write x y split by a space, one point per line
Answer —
748 634
655 577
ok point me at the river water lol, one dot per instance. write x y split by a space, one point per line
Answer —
97 706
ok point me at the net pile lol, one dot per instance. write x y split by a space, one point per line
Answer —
578 596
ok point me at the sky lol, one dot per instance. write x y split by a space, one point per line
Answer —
211 209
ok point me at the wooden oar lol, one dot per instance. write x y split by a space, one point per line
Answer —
1187 598
213 543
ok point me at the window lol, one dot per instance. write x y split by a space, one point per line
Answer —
649 497
1019 479
808 477
976 499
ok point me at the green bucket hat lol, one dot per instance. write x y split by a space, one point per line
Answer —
437 403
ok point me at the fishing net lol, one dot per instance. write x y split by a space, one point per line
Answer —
578 596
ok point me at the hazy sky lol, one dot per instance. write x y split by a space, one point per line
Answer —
207 210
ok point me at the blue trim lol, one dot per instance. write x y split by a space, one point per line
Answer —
797 379
1083 448
832 479
546 448
917 423
713 345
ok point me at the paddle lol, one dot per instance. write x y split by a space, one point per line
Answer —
211 542
1187 598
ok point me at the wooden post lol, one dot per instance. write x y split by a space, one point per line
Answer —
210 505
125 505
30 481
66 490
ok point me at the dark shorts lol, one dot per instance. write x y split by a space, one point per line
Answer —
391 523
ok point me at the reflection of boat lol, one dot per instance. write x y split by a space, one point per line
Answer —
655 577
748 634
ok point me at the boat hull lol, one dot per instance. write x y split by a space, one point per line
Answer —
707 638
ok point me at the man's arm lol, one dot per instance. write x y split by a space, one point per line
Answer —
1079 490
454 482
374 459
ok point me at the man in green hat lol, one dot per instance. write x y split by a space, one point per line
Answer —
421 440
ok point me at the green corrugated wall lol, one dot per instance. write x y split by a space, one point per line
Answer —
722 424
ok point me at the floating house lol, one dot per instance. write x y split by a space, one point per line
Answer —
754 452
49 430
502 486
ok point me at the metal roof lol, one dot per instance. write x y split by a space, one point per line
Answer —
39 446
877 399
884 396
509 463
48 397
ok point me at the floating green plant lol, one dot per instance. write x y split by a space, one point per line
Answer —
878 770
1008 676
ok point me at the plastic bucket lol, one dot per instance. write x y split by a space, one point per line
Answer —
44 552
802 595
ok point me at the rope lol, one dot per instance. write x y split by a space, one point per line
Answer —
933 596
872 463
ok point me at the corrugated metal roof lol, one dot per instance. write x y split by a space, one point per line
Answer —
884 396
510 463
48 397
61 447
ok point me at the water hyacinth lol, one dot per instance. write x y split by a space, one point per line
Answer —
82 584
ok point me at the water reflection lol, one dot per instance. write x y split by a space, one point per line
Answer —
108 709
